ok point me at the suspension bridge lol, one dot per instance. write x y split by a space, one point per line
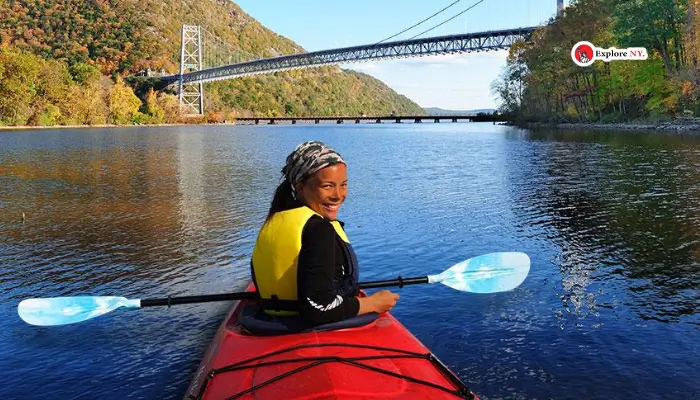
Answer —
219 60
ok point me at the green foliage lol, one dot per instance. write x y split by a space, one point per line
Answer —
654 24
84 74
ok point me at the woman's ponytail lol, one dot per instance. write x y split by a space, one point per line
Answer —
282 200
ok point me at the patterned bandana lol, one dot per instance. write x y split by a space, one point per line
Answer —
308 158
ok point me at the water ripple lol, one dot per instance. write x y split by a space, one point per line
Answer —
609 221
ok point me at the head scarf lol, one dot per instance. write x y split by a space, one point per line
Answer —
307 159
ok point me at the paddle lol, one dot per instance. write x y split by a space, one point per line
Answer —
488 273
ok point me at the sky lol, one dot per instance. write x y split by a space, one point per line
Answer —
456 82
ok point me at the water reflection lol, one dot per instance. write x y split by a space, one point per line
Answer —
191 177
120 212
623 209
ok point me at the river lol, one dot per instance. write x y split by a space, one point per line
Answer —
610 220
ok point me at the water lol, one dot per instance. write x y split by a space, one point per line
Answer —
610 221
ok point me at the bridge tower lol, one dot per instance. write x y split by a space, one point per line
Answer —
560 7
191 95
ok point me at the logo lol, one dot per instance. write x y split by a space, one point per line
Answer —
585 53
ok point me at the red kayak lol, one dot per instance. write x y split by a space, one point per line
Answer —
376 358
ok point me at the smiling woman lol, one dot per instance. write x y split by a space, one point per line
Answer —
326 190
303 264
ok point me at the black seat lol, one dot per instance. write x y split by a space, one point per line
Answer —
254 320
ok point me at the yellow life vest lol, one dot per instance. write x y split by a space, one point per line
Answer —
276 254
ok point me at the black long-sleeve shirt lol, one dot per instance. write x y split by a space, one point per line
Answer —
321 259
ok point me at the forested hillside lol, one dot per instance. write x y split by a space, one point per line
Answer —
55 52
541 82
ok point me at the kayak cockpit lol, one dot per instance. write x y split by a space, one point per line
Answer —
254 321
257 356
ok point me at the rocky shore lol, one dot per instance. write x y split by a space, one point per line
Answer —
678 125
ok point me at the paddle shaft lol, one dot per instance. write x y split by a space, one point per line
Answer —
170 301
400 282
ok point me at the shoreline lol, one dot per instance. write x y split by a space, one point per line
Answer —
101 126
680 125
691 125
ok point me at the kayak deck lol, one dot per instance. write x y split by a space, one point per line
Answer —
379 360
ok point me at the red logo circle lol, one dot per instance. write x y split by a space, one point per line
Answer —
584 53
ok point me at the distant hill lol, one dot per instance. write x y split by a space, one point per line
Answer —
442 111
127 37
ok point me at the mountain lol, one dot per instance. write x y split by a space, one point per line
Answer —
123 38
442 111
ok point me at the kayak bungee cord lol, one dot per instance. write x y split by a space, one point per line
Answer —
463 392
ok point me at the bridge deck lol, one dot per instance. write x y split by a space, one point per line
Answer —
449 44
376 119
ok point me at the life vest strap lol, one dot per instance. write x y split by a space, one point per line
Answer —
275 304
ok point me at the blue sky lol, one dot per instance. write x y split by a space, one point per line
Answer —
446 81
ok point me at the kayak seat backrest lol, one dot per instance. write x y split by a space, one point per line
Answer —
256 322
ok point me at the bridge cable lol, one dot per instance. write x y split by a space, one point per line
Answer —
413 26
474 5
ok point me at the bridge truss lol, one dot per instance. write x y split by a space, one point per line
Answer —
450 44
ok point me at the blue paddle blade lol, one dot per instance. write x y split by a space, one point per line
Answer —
69 310
488 273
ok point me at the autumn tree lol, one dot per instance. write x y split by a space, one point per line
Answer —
123 104
18 73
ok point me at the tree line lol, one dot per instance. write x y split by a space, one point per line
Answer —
541 83
39 92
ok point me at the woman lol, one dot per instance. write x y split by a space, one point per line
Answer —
303 263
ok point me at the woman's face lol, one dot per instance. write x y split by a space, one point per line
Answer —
326 190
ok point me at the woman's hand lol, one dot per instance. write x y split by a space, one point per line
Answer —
379 302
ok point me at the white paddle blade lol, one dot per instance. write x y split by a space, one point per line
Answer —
488 273
69 310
